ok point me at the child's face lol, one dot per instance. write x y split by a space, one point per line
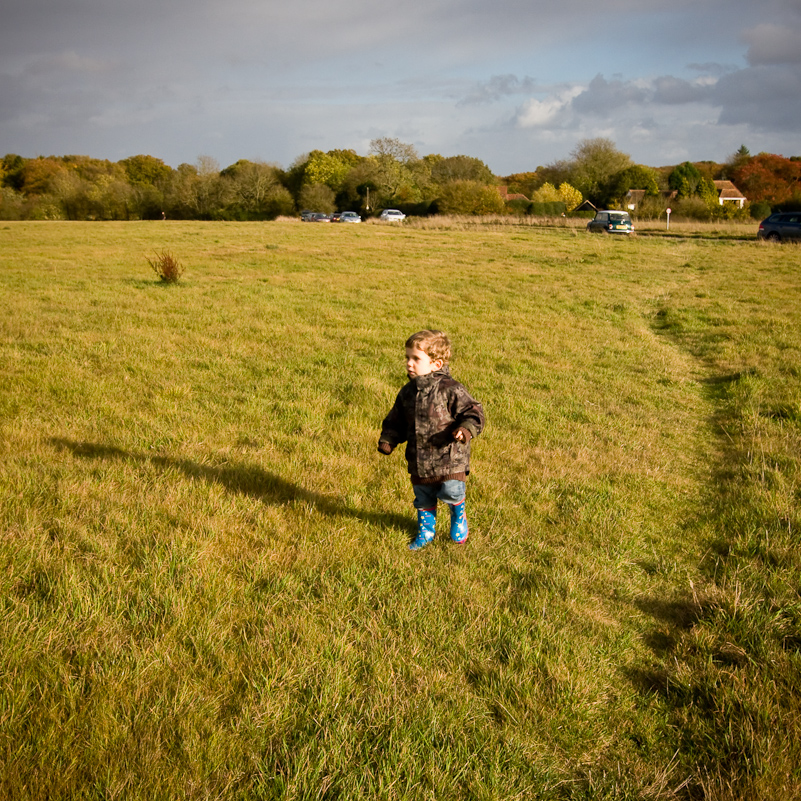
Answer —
419 363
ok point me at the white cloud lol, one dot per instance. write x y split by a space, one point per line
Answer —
539 113
773 44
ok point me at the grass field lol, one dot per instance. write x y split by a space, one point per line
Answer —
206 591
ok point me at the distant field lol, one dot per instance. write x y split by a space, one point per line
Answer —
206 590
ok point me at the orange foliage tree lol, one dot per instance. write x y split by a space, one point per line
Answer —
769 178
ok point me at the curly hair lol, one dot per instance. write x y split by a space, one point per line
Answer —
433 343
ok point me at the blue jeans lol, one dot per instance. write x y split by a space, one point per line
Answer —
426 495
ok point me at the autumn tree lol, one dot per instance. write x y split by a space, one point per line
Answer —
570 196
769 178
37 175
523 183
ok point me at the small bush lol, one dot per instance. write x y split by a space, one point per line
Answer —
166 267
552 208
760 210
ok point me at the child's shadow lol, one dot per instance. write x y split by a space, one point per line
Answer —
245 479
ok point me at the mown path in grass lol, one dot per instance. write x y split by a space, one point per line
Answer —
205 581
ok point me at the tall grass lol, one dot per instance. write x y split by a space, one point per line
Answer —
206 591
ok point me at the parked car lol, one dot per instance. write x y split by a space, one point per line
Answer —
318 216
611 222
306 215
393 215
349 217
335 216
780 227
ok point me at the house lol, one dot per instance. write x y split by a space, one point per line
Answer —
729 193
504 191
636 196
586 206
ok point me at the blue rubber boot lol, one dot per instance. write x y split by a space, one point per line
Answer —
459 530
426 527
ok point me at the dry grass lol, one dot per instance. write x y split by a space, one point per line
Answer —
206 587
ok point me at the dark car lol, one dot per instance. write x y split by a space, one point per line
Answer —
318 216
611 222
781 227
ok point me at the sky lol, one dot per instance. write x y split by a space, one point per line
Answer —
515 83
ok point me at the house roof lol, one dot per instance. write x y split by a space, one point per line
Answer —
504 190
638 194
728 191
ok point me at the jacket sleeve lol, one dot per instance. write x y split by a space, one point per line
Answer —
466 411
394 428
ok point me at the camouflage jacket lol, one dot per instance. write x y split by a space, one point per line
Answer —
427 412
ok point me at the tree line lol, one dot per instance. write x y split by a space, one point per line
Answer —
391 175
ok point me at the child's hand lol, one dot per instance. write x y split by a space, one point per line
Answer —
462 435
385 448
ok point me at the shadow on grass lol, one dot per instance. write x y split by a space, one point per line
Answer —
243 479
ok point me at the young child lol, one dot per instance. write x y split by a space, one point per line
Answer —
436 418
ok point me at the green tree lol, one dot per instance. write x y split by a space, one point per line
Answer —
396 171
547 193
179 190
708 193
469 197
146 170
13 205
209 192
149 178
685 179
325 168
317 197
255 192
737 160
595 162
636 176
459 168
12 171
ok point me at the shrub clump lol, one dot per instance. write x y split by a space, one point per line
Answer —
166 267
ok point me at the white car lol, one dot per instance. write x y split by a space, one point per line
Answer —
393 215
349 217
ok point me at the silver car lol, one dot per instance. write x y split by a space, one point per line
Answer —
392 215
